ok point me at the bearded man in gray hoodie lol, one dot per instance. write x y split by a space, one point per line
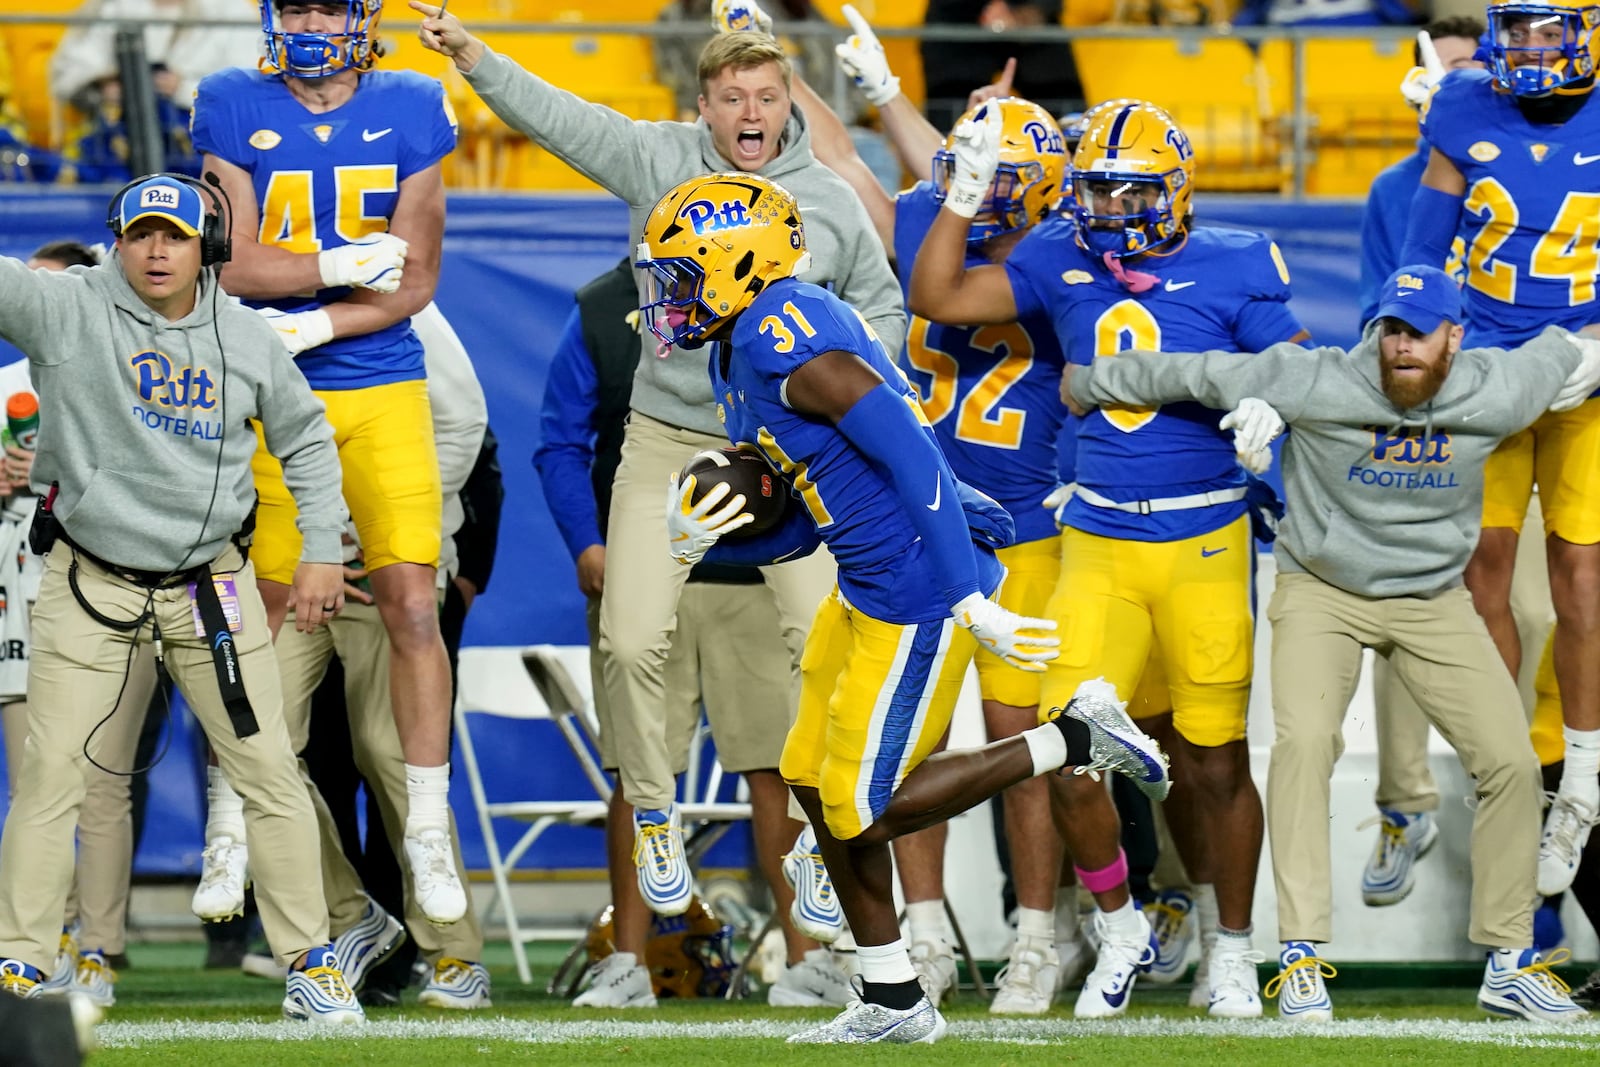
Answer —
747 123
1384 483
149 381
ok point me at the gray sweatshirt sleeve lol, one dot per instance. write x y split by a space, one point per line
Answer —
1283 376
603 145
32 303
298 434
1521 383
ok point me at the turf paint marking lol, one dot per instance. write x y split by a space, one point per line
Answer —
1507 1034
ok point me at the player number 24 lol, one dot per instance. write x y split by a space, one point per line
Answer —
1569 251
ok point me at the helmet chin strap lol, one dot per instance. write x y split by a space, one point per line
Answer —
1136 281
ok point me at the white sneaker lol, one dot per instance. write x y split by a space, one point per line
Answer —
1115 743
94 978
1235 986
1027 983
862 1023
223 880
1302 994
815 982
665 881
66 966
815 912
1200 984
617 981
1520 983
1402 841
374 936
318 993
1174 926
935 964
1566 831
1122 957
440 897
457 984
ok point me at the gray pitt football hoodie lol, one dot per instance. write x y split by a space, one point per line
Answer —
1381 502
641 161
133 410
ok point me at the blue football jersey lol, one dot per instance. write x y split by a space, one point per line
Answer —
1532 209
326 180
883 568
1222 290
992 393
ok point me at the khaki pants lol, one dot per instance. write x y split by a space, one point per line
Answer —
76 672
358 638
1442 653
1404 781
98 899
637 621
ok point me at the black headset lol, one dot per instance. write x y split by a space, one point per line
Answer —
216 240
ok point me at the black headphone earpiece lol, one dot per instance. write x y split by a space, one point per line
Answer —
216 238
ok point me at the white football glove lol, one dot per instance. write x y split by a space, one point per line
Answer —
1582 381
1017 639
299 330
740 16
1255 425
975 143
374 262
1420 81
862 58
692 528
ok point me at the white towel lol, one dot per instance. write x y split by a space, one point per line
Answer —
20 571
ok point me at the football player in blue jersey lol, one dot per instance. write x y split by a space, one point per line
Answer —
800 378
333 171
1510 159
1157 546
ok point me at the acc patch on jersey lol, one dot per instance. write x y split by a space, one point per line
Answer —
1484 151
265 139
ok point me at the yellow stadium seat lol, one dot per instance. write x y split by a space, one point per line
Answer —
1353 87
1224 95
31 47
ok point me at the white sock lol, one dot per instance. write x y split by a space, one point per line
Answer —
885 964
1066 913
927 923
224 808
1234 940
1048 747
1582 766
1036 924
428 796
1123 920
1205 912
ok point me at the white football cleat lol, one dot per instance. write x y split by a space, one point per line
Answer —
1122 958
224 877
1027 983
440 896
617 981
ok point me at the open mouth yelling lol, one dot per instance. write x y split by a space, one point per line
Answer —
750 144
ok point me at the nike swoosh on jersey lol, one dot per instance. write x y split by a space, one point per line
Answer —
373 135
1173 287
938 487
1582 160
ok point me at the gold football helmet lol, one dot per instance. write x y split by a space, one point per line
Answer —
1032 172
1133 180
1541 48
689 955
709 246
318 55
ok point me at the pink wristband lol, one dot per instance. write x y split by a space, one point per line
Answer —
1106 878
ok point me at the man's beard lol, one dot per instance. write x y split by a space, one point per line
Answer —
1407 393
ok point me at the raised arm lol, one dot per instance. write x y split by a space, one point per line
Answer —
35 302
1435 213
1283 376
603 145
836 150
913 138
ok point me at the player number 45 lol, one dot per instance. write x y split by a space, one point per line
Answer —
289 209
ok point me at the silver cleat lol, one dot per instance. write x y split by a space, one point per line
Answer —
1116 744
862 1023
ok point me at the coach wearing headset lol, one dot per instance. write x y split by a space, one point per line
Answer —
148 379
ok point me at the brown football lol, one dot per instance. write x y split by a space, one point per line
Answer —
766 496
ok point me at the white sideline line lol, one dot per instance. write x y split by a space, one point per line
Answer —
1508 1033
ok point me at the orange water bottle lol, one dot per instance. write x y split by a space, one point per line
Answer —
22 421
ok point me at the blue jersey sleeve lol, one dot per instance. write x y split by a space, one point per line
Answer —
432 137
1264 318
566 440
213 125
1450 116
914 211
1029 268
801 329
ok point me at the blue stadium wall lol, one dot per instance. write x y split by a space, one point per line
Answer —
510 266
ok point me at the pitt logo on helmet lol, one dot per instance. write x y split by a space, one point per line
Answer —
1031 175
706 217
1045 138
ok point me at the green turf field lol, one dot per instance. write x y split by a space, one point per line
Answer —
170 1012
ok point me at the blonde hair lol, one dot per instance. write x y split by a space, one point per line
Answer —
742 51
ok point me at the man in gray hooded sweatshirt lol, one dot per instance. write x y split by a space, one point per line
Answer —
1384 483
149 380
747 123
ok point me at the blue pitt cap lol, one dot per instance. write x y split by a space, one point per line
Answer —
164 198
1421 297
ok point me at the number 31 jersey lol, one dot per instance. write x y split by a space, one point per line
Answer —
328 179
1532 209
